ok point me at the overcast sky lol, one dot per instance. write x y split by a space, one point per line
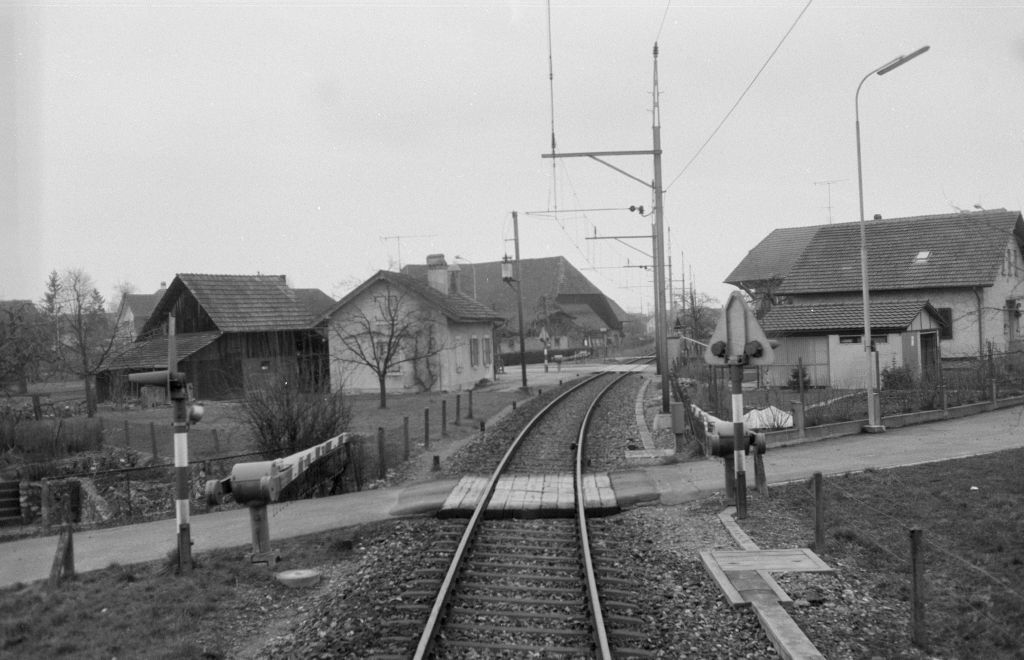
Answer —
327 140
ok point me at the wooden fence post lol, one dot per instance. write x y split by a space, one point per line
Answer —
382 470
469 410
216 442
64 561
44 511
127 435
405 438
819 514
444 417
918 633
458 408
152 440
426 428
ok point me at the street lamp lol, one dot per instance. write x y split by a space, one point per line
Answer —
874 417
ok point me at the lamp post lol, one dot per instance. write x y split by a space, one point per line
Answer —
874 417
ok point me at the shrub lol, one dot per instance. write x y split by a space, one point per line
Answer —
898 378
797 375
284 419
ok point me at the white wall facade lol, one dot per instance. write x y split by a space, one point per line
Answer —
453 368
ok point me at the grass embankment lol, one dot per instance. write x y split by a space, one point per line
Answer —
971 513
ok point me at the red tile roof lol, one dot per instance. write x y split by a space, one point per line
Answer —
457 307
831 318
241 303
964 250
152 353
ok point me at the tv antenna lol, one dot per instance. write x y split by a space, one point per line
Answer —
828 185
398 242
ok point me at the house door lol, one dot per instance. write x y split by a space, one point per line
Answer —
930 356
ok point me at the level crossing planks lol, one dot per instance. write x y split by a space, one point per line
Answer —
536 494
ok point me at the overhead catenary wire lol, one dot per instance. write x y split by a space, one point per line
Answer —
741 96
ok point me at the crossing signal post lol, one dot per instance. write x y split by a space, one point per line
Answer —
177 391
738 341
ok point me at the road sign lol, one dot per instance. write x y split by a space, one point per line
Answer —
738 338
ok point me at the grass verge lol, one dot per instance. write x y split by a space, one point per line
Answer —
971 512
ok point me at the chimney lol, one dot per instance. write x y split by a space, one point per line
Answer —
878 216
437 272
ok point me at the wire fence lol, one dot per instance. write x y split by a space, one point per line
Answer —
900 390
966 597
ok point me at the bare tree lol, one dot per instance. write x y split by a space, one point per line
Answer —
286 418
701 315
389 332
86 335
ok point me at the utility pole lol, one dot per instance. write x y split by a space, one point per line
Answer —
508 277
658 233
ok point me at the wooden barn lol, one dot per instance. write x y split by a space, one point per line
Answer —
232 332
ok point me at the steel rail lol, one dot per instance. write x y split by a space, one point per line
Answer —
604 651
434 621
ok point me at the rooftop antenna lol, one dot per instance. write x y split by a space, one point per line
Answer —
398 241
828 185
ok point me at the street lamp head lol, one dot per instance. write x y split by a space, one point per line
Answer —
901 60
506 270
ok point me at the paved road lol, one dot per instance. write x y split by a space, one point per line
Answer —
30 559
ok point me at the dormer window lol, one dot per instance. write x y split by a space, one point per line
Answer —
922 257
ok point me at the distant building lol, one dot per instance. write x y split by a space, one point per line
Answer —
557 299
232 332
440 339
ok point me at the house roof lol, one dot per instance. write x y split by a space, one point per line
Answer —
774 256
546 281
829 318
456 307
242 303
315 301
152 353
959 250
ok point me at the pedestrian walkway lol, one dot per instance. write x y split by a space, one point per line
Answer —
28 560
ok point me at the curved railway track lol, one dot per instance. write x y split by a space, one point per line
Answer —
520 587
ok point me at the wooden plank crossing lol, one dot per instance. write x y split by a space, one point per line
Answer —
523 495
792 559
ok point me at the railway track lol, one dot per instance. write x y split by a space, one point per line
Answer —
530 586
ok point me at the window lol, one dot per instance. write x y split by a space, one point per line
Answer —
922 257
850 339
488 352
474 352
946 314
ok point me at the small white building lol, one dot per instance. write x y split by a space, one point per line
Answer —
827 339
406 334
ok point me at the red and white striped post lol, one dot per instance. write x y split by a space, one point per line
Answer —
179 404
174 382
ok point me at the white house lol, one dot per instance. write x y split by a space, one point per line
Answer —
968 267
415 335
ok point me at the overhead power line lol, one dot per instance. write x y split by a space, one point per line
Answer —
738 100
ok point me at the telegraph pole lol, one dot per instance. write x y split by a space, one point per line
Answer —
658 233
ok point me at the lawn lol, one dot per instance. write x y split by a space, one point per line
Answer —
971 513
